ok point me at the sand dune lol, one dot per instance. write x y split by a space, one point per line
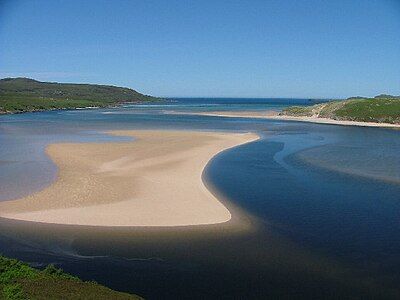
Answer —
154 180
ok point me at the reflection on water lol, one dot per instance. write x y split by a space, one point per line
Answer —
208 261
349 155
323 200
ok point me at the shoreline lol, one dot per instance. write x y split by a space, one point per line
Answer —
127 184
108 106
274 115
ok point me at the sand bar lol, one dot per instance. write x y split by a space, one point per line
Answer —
155 180
274 115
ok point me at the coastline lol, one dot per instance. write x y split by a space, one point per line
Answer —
274 115
106 106
155 180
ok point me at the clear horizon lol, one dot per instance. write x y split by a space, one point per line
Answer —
231 49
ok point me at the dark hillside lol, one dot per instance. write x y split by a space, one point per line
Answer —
24 94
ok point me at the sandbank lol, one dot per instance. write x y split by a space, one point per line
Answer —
274 115
154 180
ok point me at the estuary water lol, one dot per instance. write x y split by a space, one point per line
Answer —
325 198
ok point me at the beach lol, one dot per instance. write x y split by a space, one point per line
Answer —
154 180
266 216
274 115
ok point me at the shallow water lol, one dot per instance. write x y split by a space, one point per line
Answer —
325 199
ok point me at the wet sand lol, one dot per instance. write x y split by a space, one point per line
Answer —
155 180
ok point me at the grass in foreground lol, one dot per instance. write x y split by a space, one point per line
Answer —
381 109
20 281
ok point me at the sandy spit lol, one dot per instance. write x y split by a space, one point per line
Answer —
155 180
274 115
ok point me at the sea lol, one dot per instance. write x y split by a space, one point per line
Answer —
325 200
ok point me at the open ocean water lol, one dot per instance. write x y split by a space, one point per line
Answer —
326 199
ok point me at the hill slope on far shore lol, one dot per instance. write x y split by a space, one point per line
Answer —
24 94
380 109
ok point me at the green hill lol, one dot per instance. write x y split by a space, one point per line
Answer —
24 94
20 281
380 109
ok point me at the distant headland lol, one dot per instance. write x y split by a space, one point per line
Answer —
19 95
380 109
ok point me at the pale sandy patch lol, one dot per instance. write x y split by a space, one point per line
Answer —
155 180
274 115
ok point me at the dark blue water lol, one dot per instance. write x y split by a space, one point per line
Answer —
327 198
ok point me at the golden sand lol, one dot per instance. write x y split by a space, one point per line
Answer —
155 180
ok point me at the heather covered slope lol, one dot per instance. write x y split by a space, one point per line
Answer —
24 94
20 281
380 109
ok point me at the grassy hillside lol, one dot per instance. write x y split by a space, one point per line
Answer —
23 94
380 109
19 281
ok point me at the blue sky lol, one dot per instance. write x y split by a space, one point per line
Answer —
248 48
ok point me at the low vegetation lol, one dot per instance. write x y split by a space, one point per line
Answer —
24 94
20 281
380 109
